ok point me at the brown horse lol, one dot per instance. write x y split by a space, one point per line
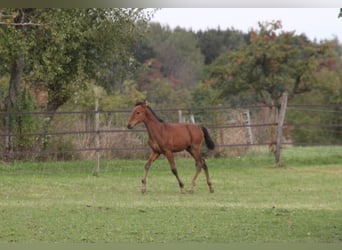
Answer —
167 138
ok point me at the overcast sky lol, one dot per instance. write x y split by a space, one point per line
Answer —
316 23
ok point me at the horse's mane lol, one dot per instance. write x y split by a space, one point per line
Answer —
155 115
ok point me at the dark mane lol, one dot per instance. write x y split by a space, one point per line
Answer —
155 115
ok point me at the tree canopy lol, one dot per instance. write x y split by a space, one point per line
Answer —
273 62
214 42
59 48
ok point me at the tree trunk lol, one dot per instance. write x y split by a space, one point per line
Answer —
11 104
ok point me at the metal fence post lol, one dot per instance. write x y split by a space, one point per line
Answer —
97 137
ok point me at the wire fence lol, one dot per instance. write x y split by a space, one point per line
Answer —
68 135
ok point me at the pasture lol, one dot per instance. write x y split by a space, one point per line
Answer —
253 201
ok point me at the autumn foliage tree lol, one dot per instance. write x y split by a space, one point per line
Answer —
273 62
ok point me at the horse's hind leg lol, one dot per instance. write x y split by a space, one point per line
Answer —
200 163
152 158
198 171
206 171
195 153
171 160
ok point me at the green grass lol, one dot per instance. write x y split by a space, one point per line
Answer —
253 201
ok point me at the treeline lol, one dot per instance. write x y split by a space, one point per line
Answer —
62 59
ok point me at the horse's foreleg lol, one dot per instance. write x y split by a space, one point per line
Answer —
152 158
171 160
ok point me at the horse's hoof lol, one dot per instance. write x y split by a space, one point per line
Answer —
212 190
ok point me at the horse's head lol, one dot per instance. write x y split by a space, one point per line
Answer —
138 114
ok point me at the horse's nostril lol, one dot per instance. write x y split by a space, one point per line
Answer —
129 126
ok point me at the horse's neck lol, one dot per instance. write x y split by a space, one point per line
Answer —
154 127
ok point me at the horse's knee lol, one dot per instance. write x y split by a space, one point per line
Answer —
147 166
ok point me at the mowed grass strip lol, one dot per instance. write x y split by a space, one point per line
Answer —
253 201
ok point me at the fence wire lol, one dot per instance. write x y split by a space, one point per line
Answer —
223 122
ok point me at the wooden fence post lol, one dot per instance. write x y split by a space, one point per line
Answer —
180 116
279 134
247 122
97 137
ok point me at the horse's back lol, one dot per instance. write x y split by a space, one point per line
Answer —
185 128
184 135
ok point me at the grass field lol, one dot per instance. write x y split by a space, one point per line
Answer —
253 201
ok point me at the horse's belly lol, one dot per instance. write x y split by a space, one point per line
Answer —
179 142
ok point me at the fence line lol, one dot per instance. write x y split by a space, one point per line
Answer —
144 148
141 148
103 131
128 131
290 106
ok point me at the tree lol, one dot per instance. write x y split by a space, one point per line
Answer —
328 91
56 49
272 63
178 52
214 42
60 47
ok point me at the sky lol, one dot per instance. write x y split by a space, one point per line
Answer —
316 23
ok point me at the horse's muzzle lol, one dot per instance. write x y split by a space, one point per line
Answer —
129 126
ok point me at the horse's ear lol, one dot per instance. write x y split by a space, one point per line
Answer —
137 103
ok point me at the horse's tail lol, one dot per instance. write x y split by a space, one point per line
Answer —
208 141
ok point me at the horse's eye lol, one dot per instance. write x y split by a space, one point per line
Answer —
138 113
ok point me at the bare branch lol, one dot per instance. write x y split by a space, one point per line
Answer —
22 24
3 16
